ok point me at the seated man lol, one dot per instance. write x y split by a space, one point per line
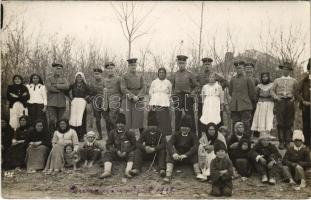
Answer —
182 147
120 145
150 145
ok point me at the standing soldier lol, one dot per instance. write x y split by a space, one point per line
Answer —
98 97
132 87
284 91
113 96
242 92
184 89
203 80
56 86
304 98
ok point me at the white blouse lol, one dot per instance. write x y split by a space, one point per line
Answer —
70 137
213 90
38 94
160 92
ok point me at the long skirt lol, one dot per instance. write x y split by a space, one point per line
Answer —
211 110
134 113
16 112
56 158
263 118
78 106
36 157
35 112
205 160
15 156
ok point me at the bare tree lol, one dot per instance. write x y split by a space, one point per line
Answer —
131 23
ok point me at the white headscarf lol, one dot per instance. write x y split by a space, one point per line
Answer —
82 75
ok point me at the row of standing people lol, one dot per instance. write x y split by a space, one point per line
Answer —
112 94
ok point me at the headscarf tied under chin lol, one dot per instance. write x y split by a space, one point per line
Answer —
82 75
67 126
211 139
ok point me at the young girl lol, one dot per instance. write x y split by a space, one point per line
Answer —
296 160
37 150
263 118
266 158
80 94
71 157
17 95
90 150
221 171
37 102
206 149
15 156
62 136
213 99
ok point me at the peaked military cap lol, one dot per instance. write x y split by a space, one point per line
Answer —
98 70
287 65
182 57
132 60
209 60
57 65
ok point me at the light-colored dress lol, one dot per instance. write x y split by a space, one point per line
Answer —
263 117
213 97
56 158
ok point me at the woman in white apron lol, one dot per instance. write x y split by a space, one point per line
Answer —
17 95
213 99
80 95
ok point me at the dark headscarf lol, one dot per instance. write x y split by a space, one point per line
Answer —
40 79
161 69
45 130
67 128
244 140
262 74
27 121
215 136
22 80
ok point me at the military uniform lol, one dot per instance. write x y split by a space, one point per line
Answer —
183 83
133 85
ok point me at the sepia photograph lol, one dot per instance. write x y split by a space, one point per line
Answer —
155 99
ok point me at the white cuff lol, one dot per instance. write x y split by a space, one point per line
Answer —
258 157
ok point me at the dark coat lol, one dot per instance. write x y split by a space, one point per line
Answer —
148 139
124 141
217 165
301 157
269 152
187 145
18 90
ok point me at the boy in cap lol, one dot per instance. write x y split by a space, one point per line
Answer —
184 87
182 148
266 159
296 160
57 86
90 150
221 171
242 92
202 79
113 96
284 92
133 88
98 99
150 145
304 99
120 145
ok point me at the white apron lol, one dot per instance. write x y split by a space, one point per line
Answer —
16 112
211 110
78 106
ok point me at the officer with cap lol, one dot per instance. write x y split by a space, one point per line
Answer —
98 86
57 86
184 86
133 88
202 78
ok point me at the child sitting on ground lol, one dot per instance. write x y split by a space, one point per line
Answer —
296 160
266 158
225 132
90 150
221 171
71 157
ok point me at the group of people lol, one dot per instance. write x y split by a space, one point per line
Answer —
37 136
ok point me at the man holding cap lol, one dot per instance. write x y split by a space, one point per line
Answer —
242 92
133 88
202 78
56 86
284 92
184 86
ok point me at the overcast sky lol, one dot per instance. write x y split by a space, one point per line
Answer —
170 23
